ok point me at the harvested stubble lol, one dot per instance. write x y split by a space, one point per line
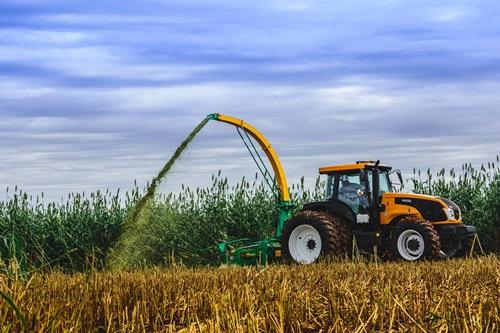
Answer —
448 296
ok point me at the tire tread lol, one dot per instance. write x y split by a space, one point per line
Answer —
428 232
336 236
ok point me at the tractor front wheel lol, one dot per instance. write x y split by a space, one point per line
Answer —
414 239
309 235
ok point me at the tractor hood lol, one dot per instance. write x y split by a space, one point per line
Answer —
411 196
432 208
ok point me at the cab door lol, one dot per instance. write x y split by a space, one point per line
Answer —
351 190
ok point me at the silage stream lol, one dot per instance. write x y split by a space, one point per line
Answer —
132 247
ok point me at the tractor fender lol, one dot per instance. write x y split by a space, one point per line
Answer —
333 207
398 218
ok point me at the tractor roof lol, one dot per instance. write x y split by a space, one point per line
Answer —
359 165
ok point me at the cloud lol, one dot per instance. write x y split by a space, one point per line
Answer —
94 95
450 14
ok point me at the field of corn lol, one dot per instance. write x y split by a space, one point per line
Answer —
79 233
53 259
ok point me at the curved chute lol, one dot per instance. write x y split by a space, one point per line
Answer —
266 147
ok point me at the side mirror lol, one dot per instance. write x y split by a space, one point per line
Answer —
400 176
396 185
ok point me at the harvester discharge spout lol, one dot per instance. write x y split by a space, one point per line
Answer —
263 251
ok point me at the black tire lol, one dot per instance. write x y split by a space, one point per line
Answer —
336 237
409 248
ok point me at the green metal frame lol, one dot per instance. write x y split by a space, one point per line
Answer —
263 252
243 253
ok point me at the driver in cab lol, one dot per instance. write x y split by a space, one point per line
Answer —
354 195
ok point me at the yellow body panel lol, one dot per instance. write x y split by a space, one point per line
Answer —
394 210
348 167
268 150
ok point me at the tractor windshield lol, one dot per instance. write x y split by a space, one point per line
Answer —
384 187
385 184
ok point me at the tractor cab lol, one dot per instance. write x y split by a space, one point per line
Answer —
355 186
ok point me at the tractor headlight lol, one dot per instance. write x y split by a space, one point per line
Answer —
450 214
451 210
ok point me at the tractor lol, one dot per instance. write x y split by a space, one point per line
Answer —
361 211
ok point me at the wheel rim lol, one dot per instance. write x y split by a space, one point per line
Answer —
304 244
411 245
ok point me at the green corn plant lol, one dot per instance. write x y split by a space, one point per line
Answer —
79 232
69 234
475 190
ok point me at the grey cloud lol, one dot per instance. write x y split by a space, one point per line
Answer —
92 99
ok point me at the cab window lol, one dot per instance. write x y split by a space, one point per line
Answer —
329 187
351 191
384 183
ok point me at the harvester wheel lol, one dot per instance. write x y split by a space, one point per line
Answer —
309 235
414 239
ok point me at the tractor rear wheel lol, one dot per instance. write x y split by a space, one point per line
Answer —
414 239
310 235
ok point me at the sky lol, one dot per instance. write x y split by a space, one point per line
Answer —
95 95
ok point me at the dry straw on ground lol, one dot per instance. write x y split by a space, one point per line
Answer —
448 296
